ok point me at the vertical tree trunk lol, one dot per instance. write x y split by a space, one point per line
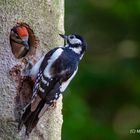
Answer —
46 19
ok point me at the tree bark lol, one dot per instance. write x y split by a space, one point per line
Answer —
46 19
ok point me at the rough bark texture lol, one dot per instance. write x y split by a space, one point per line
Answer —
46 19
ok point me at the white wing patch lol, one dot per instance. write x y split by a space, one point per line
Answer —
66 83
52 59
35 69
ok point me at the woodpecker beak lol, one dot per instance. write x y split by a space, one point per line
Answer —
63 36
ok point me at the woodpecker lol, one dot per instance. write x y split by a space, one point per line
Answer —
19 41
52 73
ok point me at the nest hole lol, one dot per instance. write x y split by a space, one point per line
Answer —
23 41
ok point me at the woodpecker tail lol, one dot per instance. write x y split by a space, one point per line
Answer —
32 113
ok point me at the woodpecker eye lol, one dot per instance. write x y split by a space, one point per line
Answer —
72 36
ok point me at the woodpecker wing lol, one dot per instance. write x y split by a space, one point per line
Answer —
49 90
54 76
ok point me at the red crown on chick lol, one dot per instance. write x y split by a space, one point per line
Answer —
22 31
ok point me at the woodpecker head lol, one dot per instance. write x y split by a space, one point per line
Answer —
21 32
76 43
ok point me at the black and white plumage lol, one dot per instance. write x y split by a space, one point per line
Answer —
53 73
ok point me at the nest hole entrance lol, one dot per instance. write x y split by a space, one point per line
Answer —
23 41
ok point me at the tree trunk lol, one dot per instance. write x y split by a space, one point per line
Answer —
45 17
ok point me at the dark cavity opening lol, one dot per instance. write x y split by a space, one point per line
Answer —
23 40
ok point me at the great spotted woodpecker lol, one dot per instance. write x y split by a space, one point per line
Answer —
53 73
19 41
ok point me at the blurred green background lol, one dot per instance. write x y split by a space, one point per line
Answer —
103 101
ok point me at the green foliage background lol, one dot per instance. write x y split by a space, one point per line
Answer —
103 101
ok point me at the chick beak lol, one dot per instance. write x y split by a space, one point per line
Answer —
25 43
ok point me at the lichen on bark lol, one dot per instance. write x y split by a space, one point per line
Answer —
46 19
